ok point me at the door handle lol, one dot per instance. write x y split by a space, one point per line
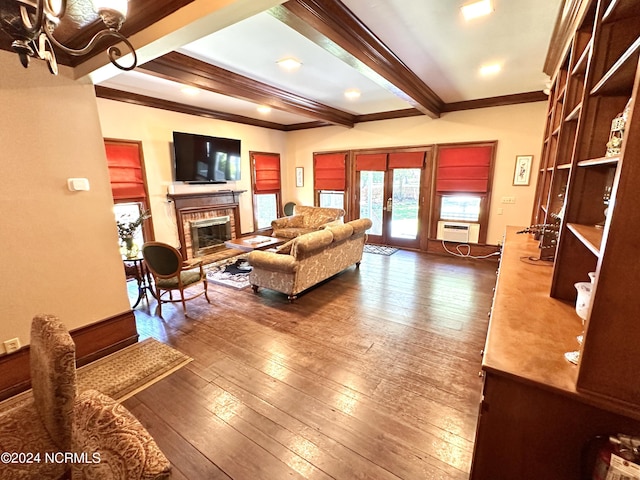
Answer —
389 204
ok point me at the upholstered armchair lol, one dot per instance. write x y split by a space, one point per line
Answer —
108 442
306 220
171 273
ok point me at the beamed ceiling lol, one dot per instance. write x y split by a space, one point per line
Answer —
406 57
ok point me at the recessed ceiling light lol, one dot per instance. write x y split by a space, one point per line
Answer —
490 69
289 63
190 90
352 93
476 9
264 109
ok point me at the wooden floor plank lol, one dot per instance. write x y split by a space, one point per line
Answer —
372 374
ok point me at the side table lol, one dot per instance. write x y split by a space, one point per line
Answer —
136 268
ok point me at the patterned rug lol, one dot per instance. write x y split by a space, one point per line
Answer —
232 272
380 249
123 373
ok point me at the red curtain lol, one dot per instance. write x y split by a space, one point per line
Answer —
375 162
464 169
266 170
406 160
329 171
125 171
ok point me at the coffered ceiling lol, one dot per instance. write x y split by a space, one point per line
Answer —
405 57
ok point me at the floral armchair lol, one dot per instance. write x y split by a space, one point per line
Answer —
305 220
108 441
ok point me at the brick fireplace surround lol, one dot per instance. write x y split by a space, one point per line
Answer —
199 206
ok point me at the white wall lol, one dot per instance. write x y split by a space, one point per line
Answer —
517 128
59 250
155 128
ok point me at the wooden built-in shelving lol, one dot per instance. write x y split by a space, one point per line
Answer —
534 400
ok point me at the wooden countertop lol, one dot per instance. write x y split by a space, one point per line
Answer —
529 331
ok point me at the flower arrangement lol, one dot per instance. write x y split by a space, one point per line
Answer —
126 229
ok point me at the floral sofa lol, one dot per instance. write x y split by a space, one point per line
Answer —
309 259
305 220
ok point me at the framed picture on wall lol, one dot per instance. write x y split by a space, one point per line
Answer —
299 177
522 174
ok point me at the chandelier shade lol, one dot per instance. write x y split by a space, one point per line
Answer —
32 23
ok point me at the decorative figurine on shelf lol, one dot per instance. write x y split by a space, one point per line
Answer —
126 231
614 145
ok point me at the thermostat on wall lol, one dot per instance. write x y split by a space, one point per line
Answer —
78 184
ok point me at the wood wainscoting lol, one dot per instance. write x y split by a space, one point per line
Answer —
92 342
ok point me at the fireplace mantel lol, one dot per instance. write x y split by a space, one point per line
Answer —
219 197
188 205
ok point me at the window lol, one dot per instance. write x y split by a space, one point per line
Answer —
128 212
464 174
331 199
266 209
265 181
460 207
128 184
329 179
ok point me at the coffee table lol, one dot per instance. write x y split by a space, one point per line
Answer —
255 242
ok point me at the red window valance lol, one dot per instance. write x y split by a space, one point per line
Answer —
375 162
266 172
125 171
464 169
406 160
329 171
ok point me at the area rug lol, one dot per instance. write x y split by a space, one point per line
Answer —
232 272
123 373
380 249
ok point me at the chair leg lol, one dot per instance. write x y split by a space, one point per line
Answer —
184 305
158 296
205 292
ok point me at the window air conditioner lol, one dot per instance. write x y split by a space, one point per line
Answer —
455 232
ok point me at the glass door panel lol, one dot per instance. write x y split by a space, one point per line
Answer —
372 200
405 198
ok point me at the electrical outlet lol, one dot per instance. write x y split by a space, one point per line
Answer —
12 345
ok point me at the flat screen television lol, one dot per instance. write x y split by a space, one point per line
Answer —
205 159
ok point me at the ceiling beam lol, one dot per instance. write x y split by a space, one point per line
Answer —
146 101
190 71
331 25
501 101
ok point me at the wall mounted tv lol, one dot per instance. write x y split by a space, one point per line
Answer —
204 159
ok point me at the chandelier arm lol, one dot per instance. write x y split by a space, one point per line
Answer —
90 46
32 28
113 51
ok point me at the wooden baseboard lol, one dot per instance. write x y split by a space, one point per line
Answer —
92 342
463 249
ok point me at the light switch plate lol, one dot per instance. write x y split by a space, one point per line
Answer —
78 184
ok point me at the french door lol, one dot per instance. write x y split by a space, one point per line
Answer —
390 193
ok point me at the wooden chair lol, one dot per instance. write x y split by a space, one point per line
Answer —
170 272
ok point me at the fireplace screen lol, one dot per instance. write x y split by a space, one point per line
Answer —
209 235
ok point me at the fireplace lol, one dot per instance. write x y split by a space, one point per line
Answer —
209 235
194 207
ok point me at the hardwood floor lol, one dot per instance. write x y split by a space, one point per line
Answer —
371 375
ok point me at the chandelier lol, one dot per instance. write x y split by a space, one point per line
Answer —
31 24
